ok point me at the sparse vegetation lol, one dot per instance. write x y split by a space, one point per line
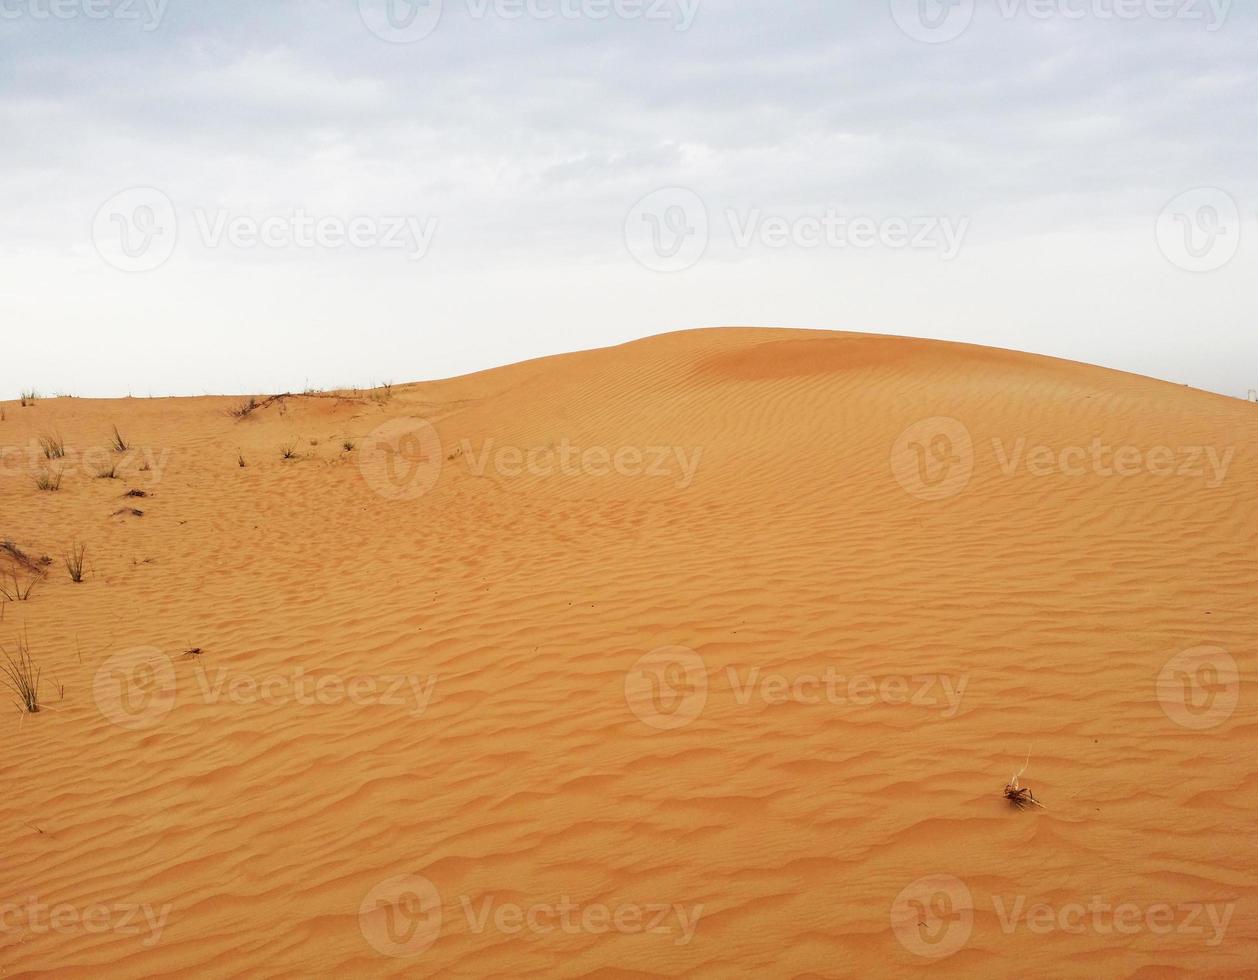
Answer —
136 493
21 675
349 445
29 397
15 590
48 480
251 405
53 446
119 443
109 472
128 512
289 451
245 408
240 459
1021 796
75 562
18 555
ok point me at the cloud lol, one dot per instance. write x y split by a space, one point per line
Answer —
531 137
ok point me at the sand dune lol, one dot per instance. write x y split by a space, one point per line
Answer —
707 656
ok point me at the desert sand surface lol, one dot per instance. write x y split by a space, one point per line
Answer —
707 656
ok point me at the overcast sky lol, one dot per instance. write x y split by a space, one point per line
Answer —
238 196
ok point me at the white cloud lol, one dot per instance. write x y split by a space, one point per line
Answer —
530 140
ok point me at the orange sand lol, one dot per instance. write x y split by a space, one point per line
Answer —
625 718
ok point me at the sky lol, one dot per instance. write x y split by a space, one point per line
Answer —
242 197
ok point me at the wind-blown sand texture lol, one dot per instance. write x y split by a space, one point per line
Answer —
740 705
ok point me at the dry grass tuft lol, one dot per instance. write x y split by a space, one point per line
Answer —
75 562
48 480
20 674
244 409
53 446
1021 796
18 591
